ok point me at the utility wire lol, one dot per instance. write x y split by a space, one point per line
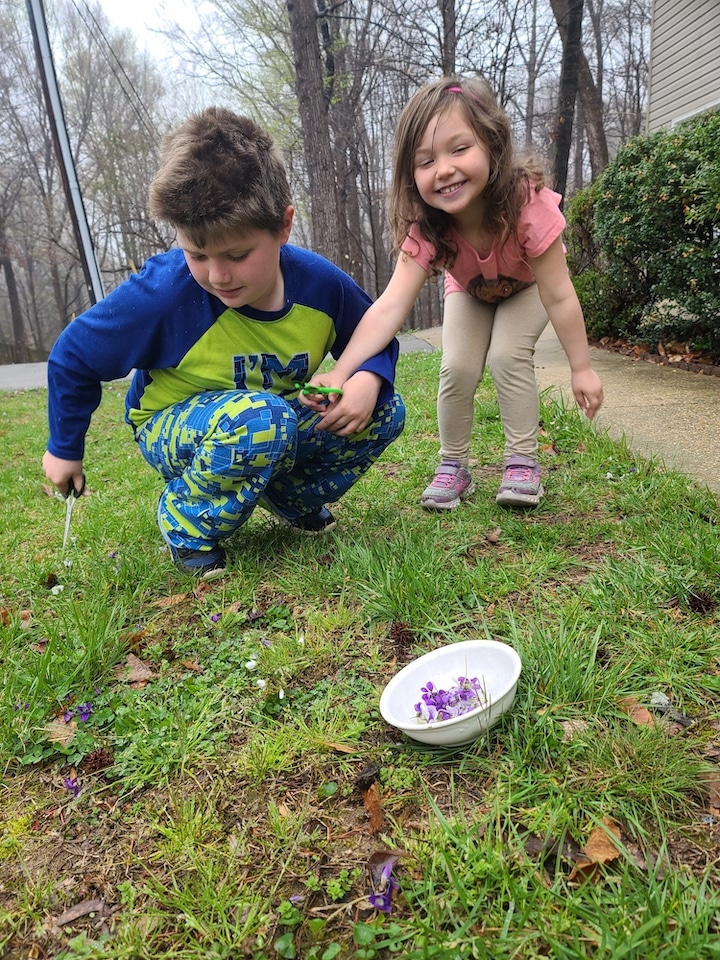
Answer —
117 69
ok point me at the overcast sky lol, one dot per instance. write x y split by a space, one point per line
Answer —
141 16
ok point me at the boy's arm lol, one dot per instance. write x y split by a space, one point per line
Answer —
563 307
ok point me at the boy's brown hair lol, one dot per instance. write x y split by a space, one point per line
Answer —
511 175
220 174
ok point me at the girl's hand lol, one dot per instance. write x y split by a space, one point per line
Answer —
588 391
320 401
351 412
63 474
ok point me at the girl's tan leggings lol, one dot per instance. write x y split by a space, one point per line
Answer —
502 335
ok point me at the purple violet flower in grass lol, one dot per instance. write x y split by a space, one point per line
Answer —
84 711
385 886
72 784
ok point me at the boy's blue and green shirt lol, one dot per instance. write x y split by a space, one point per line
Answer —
181 340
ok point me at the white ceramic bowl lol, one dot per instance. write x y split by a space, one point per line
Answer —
496 665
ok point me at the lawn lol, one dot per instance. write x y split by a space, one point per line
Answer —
201 770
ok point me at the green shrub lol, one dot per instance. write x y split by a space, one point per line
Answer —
644 239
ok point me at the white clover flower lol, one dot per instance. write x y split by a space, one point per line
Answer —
261 683
301 640
251 664
281 694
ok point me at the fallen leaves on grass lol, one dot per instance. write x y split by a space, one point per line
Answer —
172 601
134 672
709 785
60 732
599 850
371 799
637 712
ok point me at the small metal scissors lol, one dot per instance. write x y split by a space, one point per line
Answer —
308 389
70 497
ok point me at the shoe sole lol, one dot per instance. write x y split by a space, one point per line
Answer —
511 498
306 533
197 572
428 504
291 526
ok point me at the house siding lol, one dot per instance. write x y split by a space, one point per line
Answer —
684 60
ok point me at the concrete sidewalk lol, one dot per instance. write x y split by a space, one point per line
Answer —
663 412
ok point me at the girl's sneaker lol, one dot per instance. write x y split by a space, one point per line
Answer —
451 484
521 486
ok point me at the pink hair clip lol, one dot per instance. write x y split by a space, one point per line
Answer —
453 89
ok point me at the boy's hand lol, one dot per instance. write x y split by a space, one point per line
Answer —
351 412
320 401
63 474
588 392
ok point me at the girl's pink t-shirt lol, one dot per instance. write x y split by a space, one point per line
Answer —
500 273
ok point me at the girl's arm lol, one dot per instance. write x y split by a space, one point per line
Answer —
382 320
563 307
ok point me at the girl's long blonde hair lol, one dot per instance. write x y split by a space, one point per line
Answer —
511 176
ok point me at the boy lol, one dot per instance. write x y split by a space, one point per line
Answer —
220 332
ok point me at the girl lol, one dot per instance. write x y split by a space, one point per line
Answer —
462 202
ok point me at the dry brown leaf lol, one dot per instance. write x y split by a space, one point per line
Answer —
637 712
191 665
60 732
371 799
493 536
81 910
550 448
571 727
599 849
133 671
710 786
171 601
340 747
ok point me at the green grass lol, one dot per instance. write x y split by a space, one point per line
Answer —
215 811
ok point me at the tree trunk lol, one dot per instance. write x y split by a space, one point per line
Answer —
449 42
19 347
569 76
591 97
310 90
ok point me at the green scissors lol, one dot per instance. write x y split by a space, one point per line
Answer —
308 389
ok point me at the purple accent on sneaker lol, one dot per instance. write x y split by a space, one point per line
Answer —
451 484
521 486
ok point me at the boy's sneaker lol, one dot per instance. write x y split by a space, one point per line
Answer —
521 486
207 564
319 521
451 484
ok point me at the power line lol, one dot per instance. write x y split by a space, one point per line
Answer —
117 69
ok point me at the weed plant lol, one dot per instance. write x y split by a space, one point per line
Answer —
188 768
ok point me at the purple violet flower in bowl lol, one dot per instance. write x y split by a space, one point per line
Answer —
452 695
